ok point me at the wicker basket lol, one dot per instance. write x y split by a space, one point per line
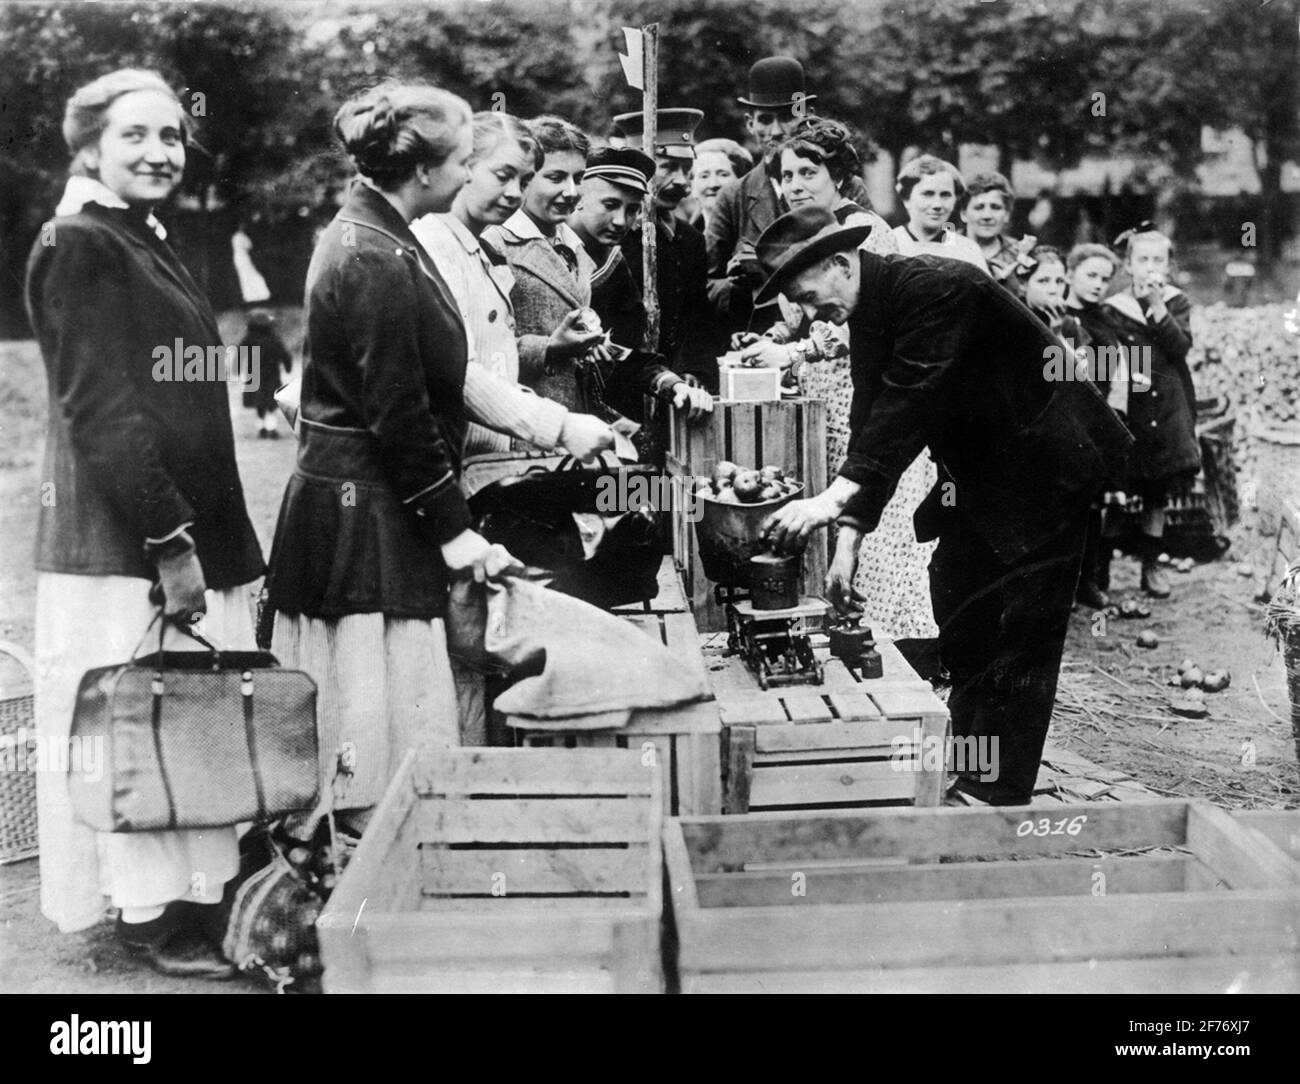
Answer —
1277 472
17 780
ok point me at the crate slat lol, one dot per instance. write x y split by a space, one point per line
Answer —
718 842
824 784
947 881
868 739
519 772
533 870
989 931
1243 974
529 820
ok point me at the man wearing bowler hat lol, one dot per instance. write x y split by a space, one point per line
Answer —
942 356
777 101
689 335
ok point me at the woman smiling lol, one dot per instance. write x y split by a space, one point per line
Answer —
930 188
147 491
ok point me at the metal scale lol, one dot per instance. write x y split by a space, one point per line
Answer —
770 626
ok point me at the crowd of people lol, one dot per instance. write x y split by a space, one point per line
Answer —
480 291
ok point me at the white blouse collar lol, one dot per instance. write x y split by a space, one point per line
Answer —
82 190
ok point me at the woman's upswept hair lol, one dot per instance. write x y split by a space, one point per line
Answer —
391 129
491 129
86 114
911 173
826 141
555 135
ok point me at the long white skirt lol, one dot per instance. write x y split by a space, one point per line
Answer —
83 622
384 685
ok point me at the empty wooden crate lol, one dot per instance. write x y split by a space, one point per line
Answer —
1095 897
523 870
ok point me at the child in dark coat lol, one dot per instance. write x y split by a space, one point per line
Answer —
267 360
1152 321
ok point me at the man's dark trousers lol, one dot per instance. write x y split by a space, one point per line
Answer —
1001 636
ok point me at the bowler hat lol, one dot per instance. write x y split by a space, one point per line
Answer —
776 82
796 241
674 131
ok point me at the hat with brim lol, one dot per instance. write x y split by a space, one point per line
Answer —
796 241
674 136
776 82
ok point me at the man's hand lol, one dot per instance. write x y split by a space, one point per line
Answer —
585 436
766 354
697 400
789 527
843 568
742 339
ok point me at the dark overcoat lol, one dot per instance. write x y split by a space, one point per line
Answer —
942 356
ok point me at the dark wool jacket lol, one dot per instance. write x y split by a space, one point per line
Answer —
941 355
131 457
690 335
376 489
1163 418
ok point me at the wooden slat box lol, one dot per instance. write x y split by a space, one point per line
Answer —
790 434
847 742
686 741
504 870
986 900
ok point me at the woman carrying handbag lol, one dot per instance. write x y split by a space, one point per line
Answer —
141 489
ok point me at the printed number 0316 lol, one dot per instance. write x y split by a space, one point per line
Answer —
1047 827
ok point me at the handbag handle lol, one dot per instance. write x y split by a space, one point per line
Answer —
162 621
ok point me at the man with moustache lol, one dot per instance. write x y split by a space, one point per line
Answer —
775 105
609 208
941 356
689 336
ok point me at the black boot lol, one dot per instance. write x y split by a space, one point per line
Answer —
1089 592
173 945
1154 581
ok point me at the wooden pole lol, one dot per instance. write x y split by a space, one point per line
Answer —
649 239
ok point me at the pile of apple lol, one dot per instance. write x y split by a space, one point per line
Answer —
731 484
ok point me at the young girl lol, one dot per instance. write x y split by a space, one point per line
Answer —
1089 270
1042 286
1151 320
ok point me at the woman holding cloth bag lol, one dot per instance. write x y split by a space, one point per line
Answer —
374 527
140 487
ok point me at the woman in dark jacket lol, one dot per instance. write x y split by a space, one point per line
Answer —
141 488
373 524
1152 320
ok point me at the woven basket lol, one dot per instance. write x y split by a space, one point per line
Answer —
1291 654
17 788
1277 472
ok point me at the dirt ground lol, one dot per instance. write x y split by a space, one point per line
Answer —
1112 705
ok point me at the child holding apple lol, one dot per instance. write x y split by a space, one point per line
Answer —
1151 319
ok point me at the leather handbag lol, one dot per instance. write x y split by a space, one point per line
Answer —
572 521
193 739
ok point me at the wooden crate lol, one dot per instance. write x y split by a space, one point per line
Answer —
487 870
1167 896
847 742
790 434
686 741
1282 826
